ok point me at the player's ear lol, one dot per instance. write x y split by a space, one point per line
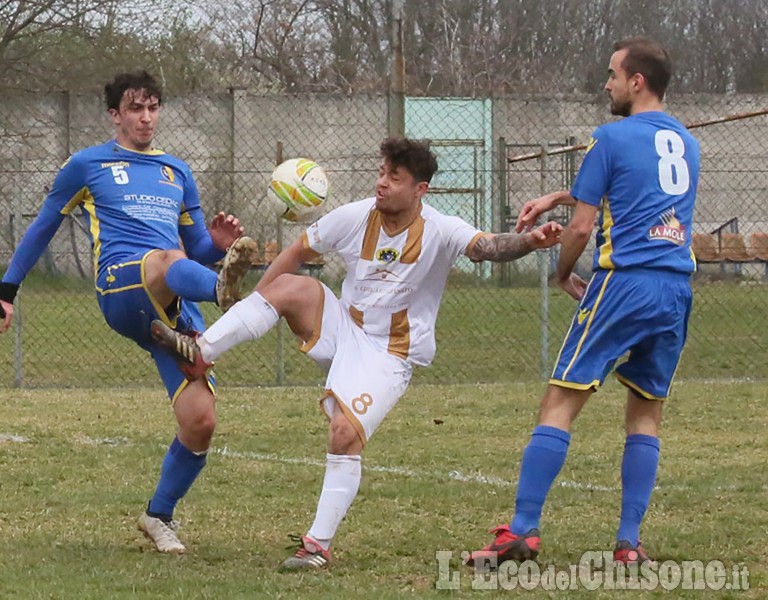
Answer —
421 188
638 82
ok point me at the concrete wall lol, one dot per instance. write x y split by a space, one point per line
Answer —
231 141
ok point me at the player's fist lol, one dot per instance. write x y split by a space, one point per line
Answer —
546 235
574 286
6 314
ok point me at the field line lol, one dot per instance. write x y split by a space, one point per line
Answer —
475 478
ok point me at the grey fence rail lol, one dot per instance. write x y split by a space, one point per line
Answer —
497 322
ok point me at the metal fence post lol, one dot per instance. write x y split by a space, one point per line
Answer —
396 100
543 257
18 356
502 210
232 144
279 347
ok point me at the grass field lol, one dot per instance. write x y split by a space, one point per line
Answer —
77 466
484 333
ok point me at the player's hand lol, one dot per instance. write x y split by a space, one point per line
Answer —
574 286
546 235
6 313
532 210
224 230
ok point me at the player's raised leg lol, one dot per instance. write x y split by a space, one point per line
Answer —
298 298
238 260
169 273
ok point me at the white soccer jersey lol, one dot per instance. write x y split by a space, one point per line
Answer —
394 282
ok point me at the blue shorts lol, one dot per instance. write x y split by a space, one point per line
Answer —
641 311
129 308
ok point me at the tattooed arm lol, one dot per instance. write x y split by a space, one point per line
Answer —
502 247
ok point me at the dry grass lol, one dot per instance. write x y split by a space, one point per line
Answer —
76 467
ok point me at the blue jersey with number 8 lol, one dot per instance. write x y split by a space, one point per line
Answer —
643 172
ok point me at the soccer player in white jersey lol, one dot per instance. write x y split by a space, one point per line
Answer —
398 252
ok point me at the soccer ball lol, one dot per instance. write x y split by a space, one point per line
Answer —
297 190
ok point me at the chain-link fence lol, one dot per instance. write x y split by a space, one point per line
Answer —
497 322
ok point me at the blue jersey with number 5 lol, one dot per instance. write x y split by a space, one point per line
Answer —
643 172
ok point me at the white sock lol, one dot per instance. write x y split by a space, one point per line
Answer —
248 319
342 480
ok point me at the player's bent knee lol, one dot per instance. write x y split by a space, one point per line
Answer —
344 438
197 422
292 285
162 259
200 429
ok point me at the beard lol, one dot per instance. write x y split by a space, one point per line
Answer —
621 108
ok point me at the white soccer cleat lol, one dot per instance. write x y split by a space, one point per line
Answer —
162 534
236 263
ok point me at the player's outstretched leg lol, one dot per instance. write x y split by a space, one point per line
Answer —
183 347
239 258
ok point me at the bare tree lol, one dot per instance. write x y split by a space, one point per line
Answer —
452 47
48 44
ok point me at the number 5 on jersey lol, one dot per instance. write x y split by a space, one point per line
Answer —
120 175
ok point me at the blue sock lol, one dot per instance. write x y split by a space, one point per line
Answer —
638 476
180 469
192 281
542 460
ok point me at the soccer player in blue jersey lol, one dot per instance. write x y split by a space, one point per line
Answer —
139 203
640 175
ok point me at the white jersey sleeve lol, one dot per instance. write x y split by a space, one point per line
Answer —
458 235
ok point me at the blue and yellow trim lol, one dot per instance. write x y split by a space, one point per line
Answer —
637 389
159 309
150 152
592 313
605 257
570 328
575 386
185 383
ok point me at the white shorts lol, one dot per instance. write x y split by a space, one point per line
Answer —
366 381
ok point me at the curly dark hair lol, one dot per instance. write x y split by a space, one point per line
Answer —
650 59
413 155
140 80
